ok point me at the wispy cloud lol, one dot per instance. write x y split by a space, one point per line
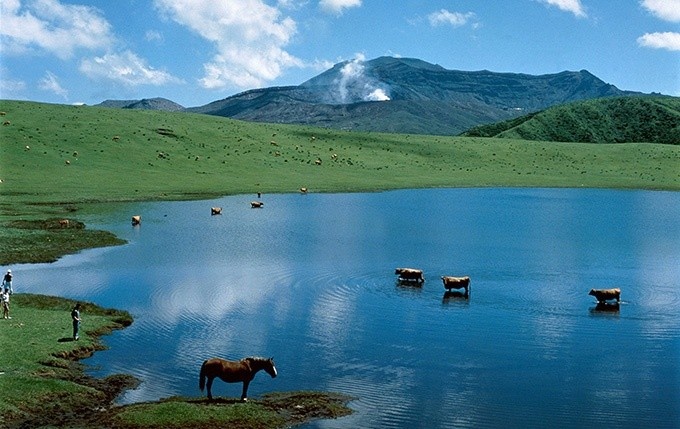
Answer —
153 36
338 6
64 29
455 19
249 36
10 87
50 83
125 68
668 10
667 40
572 6
53 27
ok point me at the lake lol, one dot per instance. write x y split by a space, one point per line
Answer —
309 279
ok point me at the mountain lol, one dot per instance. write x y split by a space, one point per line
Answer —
162 104
652 119
408 95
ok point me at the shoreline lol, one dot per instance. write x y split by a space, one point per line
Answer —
71 398
84 239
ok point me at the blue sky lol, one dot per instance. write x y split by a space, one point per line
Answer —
197 51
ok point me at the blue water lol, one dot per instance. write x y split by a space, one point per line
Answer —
309 280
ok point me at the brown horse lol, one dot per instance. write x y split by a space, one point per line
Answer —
243 370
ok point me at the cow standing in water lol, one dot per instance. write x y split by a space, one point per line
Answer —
410 275
603 295
456 283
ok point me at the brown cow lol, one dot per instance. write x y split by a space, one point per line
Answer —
603 295
216 210
256 204
136 220
63 223
456 283
410 275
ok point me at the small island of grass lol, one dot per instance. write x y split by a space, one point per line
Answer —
44 385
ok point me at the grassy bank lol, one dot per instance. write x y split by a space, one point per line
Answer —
43 385
56 159
275 410
40 378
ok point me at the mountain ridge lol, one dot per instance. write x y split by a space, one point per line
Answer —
157 103
408 95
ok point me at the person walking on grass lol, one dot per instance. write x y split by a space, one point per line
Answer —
7 282
75 317
4 297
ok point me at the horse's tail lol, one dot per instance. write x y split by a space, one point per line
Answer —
202 376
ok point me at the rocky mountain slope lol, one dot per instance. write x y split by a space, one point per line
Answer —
408 95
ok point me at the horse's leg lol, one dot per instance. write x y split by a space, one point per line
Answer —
209 386
244 394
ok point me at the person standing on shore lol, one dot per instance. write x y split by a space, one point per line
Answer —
4 296
7 282
75 317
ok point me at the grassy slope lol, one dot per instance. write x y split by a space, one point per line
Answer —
55 158
609 120
35 343
216 156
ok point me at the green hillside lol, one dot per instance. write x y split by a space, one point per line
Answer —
608 120
56 159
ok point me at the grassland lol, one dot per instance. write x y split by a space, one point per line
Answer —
43 385
56 159
39 374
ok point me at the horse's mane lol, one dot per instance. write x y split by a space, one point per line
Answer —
256 358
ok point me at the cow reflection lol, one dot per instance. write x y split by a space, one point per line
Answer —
606 307
455 296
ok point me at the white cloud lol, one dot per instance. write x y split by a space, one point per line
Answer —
9 87
249 36
319 65
292 4
50 83
667 40
338 6
53 27
573 6
153 36
125 68
668 10
444 17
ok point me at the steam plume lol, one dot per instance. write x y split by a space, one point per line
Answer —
353 84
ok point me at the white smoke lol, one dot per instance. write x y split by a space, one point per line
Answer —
350 72
378 95
353 84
